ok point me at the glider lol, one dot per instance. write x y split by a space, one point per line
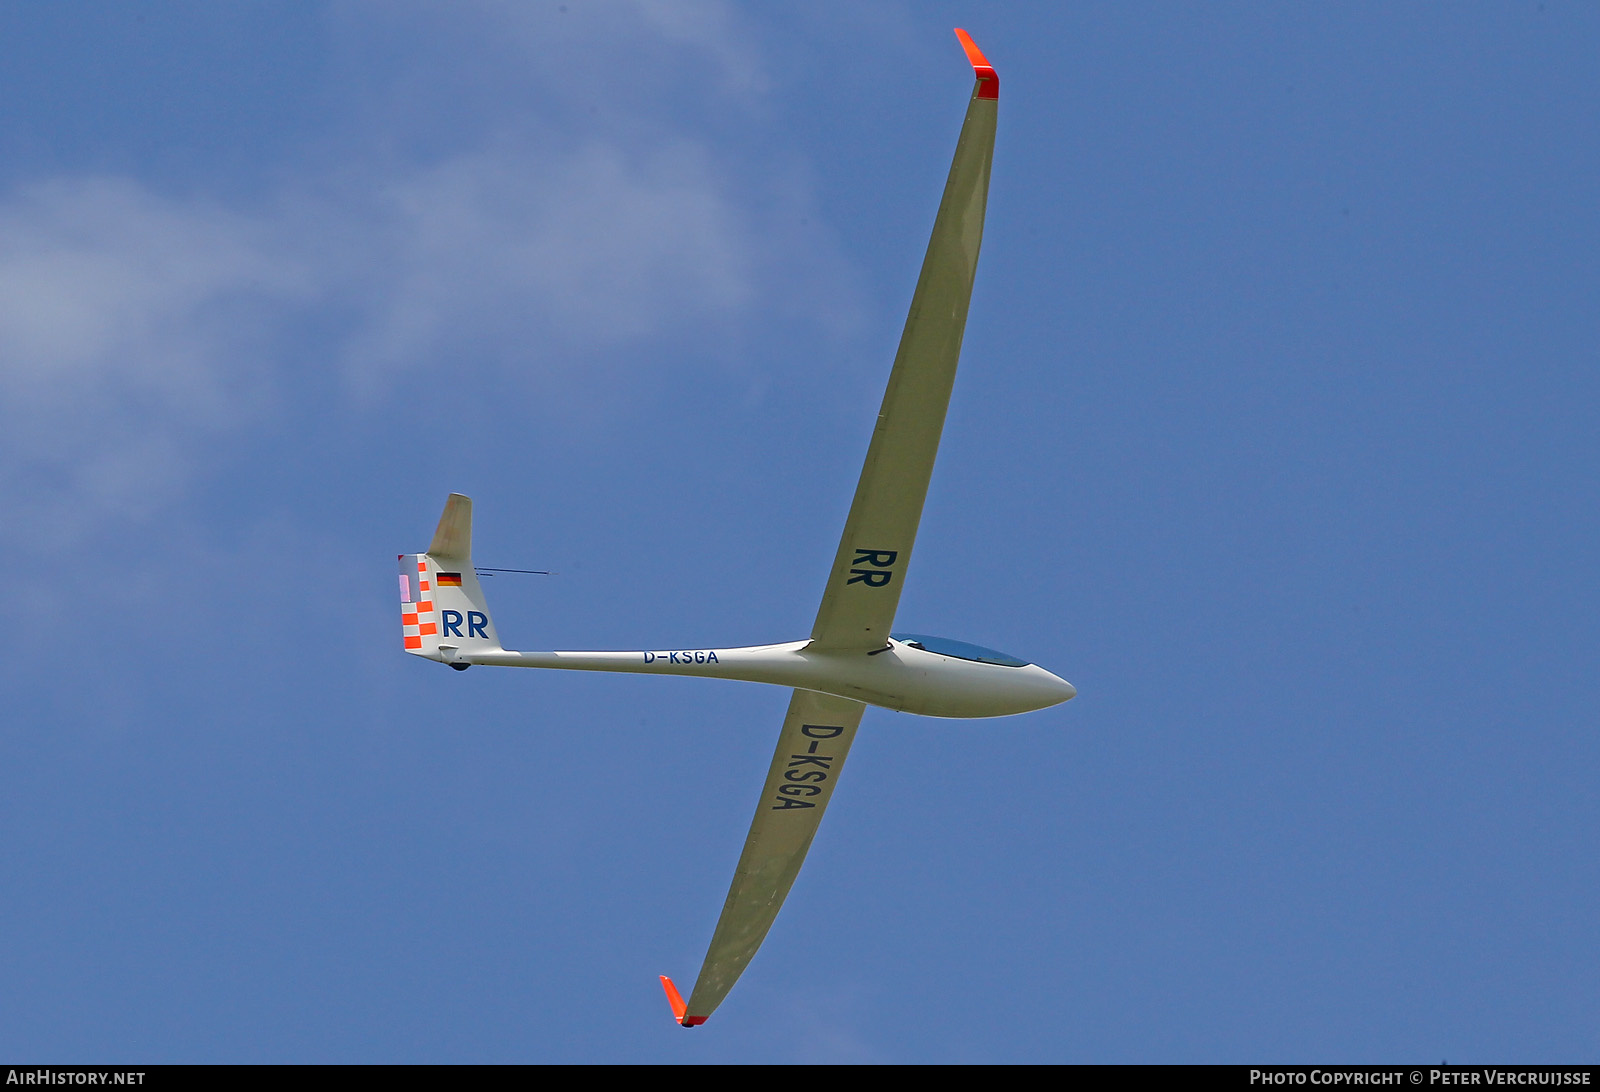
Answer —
852 659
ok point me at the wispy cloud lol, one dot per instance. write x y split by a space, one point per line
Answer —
129 325
510 248
139 330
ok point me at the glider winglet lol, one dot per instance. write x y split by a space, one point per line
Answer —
679 1009
988 79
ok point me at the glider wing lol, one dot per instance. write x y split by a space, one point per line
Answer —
864 585
816 737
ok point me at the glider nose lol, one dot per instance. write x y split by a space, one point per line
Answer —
1040 689
1057 688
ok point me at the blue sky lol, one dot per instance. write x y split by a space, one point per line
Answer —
1274 434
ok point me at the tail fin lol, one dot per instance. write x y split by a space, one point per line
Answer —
442 610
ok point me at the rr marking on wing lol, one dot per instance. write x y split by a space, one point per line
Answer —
879 573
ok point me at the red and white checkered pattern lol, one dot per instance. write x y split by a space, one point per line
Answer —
416 619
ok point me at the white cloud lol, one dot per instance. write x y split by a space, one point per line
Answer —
124 323
593 50
102 281
535 253
139 331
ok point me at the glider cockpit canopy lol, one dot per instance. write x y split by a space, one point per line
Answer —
944 646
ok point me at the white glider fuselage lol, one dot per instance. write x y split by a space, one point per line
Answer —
899 676
852 658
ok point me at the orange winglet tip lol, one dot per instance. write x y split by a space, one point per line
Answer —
679 1008
988 79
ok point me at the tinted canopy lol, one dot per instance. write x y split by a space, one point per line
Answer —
959 649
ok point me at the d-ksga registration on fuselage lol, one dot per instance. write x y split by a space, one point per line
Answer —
852 658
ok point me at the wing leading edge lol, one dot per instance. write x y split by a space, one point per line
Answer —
863 589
